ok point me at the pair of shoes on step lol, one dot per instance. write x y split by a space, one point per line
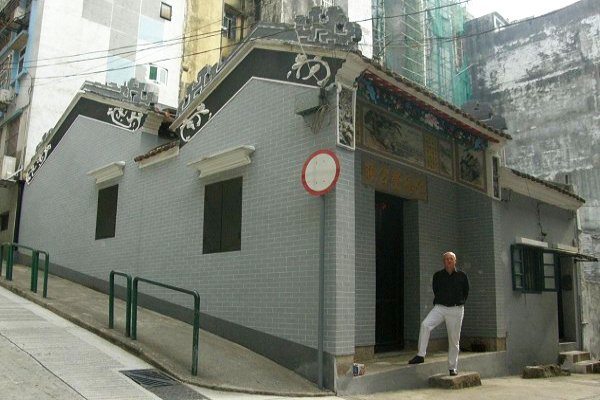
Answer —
416 360
453 372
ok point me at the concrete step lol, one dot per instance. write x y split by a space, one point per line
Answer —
391 374
567 346
586 367
575 356
568 359
460 381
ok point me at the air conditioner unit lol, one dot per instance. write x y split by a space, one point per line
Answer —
6 96
7 167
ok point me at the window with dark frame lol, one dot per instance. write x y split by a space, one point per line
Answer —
229 22
533 269
106 216
3 223
166 11
222 230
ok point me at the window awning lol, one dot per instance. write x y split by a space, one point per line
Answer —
577 256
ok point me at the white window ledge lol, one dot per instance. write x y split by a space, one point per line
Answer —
108 172
531 242
223 161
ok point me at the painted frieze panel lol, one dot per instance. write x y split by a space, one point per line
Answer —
471 167
389 136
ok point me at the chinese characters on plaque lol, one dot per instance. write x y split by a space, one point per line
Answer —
394 180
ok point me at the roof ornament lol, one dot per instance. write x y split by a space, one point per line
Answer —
35 165
313 68
130 120
193 122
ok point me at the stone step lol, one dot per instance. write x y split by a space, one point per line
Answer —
575 356
460 381
567 346
542 371
586 367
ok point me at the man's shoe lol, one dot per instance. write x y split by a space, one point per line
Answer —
453 372
416 360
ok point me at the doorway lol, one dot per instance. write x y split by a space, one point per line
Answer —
389 261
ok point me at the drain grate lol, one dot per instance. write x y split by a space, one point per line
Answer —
150 378
162 385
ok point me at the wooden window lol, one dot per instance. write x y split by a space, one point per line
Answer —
106 216
229 22
533 269
222 216
166 11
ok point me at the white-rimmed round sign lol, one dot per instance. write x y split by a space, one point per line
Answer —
320 172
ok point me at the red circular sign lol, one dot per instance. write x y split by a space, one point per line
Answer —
320 172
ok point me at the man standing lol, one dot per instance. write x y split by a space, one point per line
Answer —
450 289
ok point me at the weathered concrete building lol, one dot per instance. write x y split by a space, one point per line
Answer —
543 76
49 48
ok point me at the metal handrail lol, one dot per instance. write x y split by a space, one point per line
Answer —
35 261
196 315
111 301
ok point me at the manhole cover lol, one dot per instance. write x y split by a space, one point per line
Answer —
150 378
162 385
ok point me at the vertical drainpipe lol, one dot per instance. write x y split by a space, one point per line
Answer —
20 186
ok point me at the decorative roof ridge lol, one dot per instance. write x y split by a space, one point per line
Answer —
424 90
138 93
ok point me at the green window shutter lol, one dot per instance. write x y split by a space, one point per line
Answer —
517 267
153 73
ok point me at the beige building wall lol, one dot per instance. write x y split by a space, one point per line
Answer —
208 40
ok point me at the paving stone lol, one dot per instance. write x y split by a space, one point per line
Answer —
543 371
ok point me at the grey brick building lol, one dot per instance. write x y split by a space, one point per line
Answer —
222 208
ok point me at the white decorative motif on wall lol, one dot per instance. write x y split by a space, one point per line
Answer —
193 122
314 69
130 120
37 164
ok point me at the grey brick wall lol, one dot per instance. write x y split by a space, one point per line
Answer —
271 285
365 259
453 218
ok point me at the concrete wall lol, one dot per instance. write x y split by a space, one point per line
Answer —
271 285
111 37
543 77
531 318
591 317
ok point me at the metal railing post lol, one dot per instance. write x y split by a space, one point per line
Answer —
111 301
196 333
9 262
134 309
1 257
46 268
35 259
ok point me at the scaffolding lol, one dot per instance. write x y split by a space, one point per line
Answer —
420 39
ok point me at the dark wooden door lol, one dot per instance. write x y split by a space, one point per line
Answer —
389 318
